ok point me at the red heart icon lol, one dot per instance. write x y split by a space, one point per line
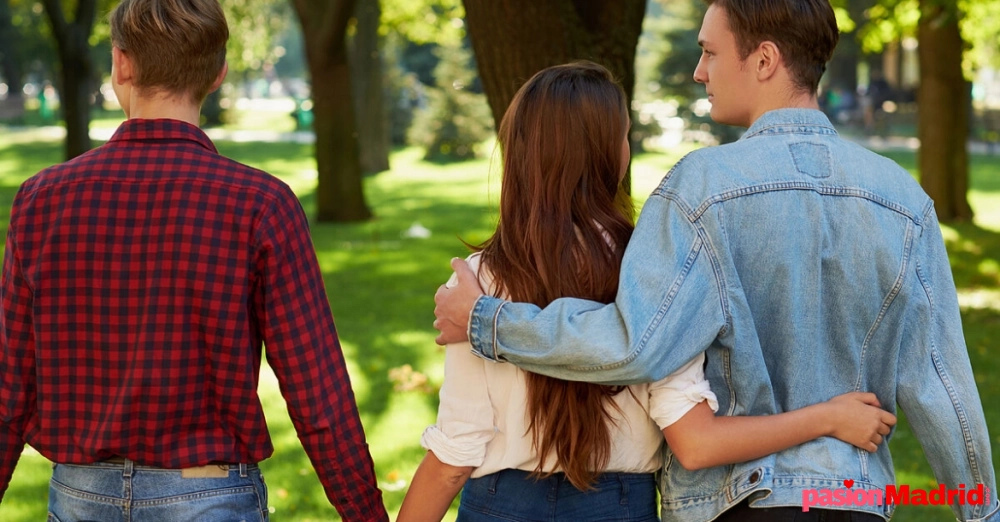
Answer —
848 483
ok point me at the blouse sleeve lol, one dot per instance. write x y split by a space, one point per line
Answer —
673 396
465 423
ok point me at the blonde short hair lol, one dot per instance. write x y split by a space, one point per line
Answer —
175 45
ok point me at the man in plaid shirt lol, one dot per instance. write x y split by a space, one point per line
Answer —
140 281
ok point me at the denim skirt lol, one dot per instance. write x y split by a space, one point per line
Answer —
513 495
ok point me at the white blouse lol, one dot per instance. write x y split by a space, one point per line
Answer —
483 421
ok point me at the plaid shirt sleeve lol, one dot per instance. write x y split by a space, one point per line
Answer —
301 343
17 361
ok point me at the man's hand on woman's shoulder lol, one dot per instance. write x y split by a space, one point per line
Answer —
453 303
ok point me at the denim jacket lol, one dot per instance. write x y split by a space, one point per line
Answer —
805 266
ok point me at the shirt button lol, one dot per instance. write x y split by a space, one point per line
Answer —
755 476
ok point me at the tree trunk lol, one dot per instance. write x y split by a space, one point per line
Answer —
74 98
10 66
366 84
514 39
339 192
77 69
211 109
943 124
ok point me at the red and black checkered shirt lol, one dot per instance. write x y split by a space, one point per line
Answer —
140 282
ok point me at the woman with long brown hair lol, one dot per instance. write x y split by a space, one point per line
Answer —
544 449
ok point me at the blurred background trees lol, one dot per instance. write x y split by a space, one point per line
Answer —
339 194
514 39
72 37
367 87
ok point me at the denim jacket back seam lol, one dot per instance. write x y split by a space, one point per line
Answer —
889 299
963 418
791 128
825 190
694 218
946 381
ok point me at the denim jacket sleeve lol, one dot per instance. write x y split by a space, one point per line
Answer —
669 308
936 388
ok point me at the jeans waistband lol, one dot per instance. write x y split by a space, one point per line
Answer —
606 477
208 470
122 460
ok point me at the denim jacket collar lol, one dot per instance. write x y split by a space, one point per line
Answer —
790 121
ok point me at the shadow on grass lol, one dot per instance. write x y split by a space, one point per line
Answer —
974 253
382 285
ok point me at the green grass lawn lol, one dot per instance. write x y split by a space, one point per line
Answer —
381 282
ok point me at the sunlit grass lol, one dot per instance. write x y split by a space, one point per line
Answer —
380 282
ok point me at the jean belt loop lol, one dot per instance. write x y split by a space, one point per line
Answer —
494 478
127 470
243 470
623 480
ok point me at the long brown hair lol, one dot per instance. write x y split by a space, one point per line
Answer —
565 219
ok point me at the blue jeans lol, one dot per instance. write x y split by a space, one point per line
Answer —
513 495
128 492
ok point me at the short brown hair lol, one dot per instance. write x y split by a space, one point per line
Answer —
804 30
176 45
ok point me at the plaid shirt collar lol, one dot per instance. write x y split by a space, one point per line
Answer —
137 129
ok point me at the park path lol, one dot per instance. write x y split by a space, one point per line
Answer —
27 134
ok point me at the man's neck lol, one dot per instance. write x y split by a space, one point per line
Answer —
159 106
794 101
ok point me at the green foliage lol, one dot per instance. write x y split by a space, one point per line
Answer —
981 28
254 25
890 20
455 121
402 89
424 21
36 48
844 21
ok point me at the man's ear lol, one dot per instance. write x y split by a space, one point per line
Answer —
766 60
222 76
123 70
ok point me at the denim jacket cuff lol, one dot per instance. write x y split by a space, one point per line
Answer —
483 327
993 516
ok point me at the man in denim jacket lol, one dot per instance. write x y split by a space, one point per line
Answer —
804 265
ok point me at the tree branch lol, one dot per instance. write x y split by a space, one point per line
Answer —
53 8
